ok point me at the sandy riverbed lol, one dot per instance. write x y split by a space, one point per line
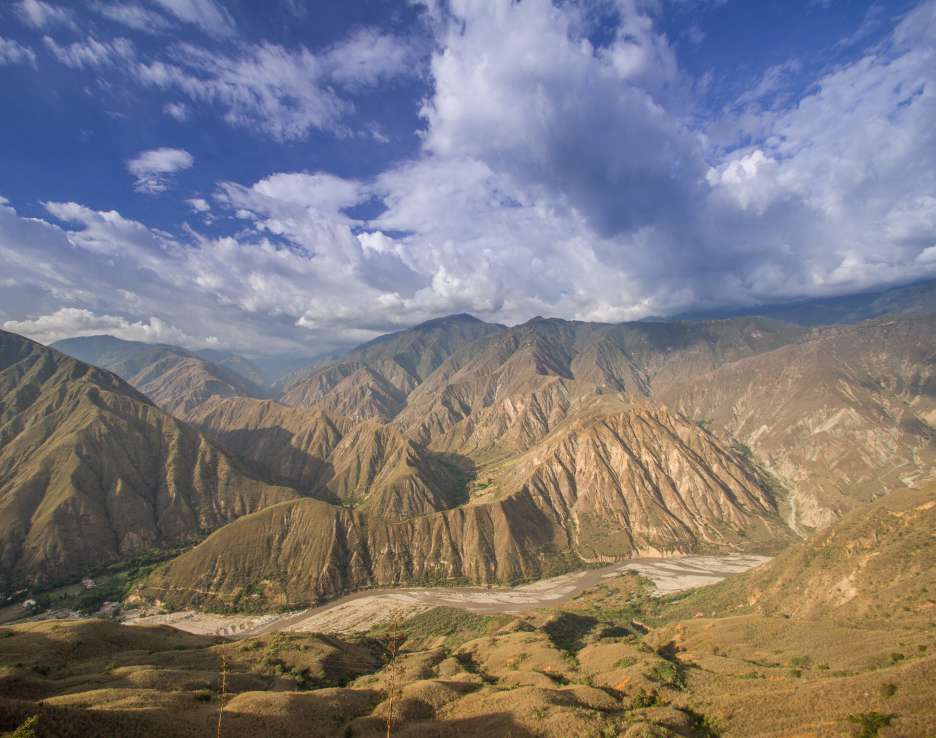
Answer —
362 610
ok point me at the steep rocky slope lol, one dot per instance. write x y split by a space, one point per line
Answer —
841 416
91 472
873 565
333 458
641 481
373 380
175 379
508 391
237 364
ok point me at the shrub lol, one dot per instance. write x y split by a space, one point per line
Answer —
668 675
27 728
870 723
888 689
643 698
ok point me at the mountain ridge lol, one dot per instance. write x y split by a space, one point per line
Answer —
91 471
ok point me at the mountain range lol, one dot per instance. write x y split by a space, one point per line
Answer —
465 452
457 450
92 472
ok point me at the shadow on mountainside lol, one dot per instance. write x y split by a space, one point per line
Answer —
458 473
283 465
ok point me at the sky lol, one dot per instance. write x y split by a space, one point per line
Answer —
298 177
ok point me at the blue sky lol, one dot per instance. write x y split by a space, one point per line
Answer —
298 176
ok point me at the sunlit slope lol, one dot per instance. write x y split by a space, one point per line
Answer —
91 472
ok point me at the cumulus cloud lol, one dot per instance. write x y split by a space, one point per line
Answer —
250 292
199 205
561 176
557 150
12 52
154 168
70 322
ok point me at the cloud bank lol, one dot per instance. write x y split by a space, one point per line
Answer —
561 172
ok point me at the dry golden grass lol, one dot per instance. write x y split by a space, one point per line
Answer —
605 664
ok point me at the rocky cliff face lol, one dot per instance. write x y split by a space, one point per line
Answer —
581 442
841 416
374 380
513 388
91 472
465 451
333 458
642 481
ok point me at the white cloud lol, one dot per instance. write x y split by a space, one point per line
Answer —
39 14
133 15
319 195
282 92
12 52
268 88
154 168
366 58
177 110
210 16
569 121
556 177
91 52
199 205
70 322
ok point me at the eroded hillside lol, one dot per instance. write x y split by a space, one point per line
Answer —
91 472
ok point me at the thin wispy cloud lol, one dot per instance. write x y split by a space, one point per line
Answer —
132 15
91 52
153 169
210 16
42 15
12 52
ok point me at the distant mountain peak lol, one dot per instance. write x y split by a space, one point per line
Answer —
448 320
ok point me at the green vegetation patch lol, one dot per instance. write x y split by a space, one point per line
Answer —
456 626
